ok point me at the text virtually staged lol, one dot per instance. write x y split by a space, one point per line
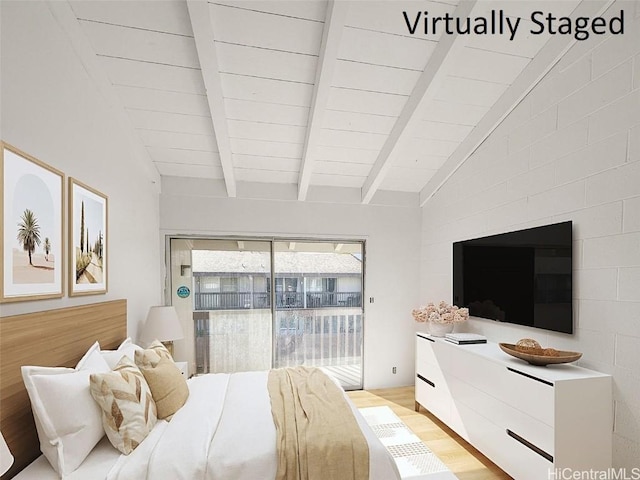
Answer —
498 23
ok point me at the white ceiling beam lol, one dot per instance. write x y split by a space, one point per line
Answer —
202 26
66 18
532 74
333 26
432 77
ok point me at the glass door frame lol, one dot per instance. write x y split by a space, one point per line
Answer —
168 294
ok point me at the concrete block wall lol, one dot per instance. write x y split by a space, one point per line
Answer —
569 151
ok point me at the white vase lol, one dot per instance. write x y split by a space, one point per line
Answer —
439 329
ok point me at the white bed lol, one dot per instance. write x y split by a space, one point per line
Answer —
224 431
236 408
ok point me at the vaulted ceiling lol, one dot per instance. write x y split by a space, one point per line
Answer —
310 92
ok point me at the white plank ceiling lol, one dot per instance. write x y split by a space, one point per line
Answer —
310 92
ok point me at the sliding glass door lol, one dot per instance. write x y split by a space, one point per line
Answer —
228 302
318 314
312 316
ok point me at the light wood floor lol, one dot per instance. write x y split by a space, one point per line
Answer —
463 460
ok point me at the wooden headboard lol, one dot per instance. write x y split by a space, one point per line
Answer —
50 338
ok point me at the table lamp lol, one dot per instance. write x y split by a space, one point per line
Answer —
6 459
162 324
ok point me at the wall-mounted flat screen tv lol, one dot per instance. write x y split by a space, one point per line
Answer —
522 277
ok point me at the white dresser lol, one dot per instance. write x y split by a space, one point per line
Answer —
529 420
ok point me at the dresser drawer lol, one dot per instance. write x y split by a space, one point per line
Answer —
523 461
429 369
428 351
433 395
493 441
481 373
528 393
520 389
480 432
518 460
501 414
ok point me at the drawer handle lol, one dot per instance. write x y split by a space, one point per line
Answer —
530 445
427 338
427 381
546 382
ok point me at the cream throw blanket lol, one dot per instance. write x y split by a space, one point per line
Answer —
318 436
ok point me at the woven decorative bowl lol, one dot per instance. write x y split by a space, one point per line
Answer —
541 360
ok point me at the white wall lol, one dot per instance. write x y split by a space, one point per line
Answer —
569 151
51 110
392 236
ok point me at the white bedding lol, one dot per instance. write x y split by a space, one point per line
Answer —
224 431
96 466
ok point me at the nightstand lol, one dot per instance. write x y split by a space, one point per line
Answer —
184 368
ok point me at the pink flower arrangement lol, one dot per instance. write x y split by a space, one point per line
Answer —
441 313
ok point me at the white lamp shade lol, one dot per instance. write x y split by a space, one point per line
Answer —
162 324
6 459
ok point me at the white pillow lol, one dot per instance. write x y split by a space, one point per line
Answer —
68 421
126 348
92 359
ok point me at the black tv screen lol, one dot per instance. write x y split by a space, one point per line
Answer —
521 277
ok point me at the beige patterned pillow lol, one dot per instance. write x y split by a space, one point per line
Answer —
128 409
152 354
168 386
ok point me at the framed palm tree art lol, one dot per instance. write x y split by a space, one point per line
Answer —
32 218
87 240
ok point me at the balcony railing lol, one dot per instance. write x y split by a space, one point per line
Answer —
334 299
284 300
326 338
